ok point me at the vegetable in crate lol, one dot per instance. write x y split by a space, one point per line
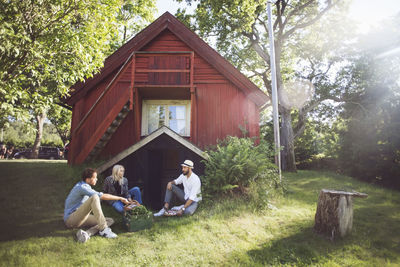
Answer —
138 218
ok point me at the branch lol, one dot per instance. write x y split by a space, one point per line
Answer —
308 23
278 21
296 9
256 46
263 24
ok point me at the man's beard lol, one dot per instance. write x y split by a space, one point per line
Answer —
185 172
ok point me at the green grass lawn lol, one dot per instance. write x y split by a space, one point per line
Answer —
229 233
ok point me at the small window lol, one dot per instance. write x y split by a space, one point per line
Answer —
173 113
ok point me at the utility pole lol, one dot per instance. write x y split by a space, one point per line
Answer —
275 110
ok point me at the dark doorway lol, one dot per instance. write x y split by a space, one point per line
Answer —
163 167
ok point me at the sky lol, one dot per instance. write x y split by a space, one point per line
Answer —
368 12
168 5
365 12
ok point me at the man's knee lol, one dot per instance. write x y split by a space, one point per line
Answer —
95 199
174 187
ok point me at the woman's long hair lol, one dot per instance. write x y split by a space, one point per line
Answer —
115 175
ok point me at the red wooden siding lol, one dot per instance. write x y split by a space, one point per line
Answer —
166 41
219 106
222 108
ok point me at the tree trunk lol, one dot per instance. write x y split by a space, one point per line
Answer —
39 134
287 141
334 216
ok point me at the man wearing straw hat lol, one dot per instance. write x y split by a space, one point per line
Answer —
190 195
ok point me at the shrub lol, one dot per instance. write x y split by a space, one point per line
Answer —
235 164
265 187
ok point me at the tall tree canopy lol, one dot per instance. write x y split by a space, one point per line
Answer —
306 34
370 144
48 45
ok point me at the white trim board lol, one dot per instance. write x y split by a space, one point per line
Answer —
148 139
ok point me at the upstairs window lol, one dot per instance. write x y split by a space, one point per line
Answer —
174 114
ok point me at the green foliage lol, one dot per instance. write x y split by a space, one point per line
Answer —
22 135
137 211
131 17
49 45
60 118
370 146
234 165
264 190
319 140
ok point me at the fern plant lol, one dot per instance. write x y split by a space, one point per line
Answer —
234 164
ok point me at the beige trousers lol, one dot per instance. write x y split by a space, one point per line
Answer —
82 217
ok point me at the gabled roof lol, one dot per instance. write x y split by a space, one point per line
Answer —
168 21
148 139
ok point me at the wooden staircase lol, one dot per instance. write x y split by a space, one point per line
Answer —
98 125
108 134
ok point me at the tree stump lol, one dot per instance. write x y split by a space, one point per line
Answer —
334 217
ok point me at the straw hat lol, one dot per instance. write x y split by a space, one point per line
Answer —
188 163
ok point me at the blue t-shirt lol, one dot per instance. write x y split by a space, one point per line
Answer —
81 192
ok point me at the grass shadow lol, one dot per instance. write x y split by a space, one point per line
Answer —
32 198
300 249
53 227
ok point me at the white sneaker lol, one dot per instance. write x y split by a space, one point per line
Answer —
160 213
108 233
82 236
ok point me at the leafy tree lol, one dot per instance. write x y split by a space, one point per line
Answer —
132 17
306 34
22 134
370 146
49 45
60 117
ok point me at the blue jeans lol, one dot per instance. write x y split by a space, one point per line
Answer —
181 195
135 192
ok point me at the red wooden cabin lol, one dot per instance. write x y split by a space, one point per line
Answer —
165 75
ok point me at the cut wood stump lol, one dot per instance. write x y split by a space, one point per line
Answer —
334 217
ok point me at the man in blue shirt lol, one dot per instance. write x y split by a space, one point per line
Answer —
82 201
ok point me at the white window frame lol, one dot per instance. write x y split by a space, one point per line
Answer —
145 110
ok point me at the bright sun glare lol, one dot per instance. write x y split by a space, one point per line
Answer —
368 13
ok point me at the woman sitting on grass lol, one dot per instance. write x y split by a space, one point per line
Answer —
117 184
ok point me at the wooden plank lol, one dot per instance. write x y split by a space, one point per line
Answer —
210 81
131 99
162 85
162 70
137 115
162 53
95 137
193 103
336 192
